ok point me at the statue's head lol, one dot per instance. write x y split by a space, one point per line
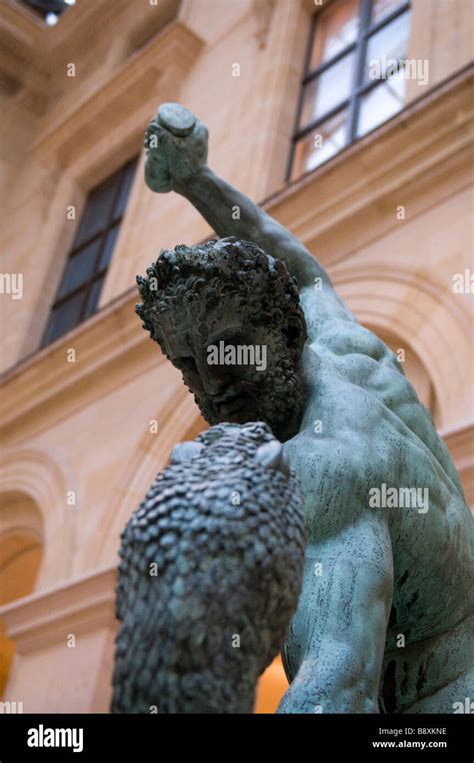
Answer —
228 317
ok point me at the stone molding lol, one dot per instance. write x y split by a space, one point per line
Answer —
129 91
41 619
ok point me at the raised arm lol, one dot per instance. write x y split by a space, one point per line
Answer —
231 213
176 143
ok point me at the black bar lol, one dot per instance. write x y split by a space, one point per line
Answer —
154 737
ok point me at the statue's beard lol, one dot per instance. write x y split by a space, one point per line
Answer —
275 398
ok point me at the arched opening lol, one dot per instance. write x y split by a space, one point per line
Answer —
424 319
414 368
21 551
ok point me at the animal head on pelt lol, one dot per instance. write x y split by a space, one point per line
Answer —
210 574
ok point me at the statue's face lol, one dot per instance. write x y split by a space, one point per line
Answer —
238 370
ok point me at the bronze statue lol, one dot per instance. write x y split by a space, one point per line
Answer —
385 617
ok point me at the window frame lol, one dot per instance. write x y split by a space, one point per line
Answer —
359 88
98 273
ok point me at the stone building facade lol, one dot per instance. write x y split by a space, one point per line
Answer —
88 418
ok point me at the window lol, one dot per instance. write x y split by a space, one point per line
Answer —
354 77
87 264
50 10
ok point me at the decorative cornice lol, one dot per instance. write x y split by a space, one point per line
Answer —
22 22
170 54
99 345
40 619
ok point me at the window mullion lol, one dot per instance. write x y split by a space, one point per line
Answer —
374 28
329 63
353 116
316 122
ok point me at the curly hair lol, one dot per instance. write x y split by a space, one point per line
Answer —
198 277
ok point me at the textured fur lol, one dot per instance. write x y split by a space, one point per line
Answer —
227 532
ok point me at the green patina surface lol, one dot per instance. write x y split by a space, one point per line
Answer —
385 617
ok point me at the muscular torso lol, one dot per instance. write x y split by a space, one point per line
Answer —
395 571
374 431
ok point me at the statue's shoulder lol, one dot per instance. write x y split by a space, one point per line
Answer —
344 337
354 365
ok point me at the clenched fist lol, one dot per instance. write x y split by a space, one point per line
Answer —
176 143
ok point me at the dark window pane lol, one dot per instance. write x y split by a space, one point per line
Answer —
380 103
93 297
336 27
318 146
79 268
328 90
127 179
64 317
92 250
386 47
98 210
109 245
381 8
